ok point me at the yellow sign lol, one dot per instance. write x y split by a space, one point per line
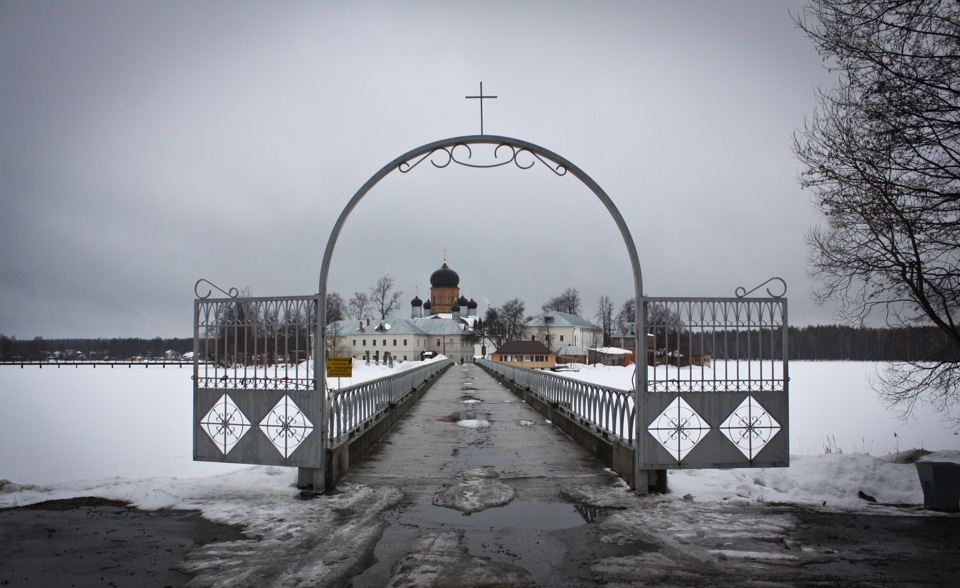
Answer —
339 367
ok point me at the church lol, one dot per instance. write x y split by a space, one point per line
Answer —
442 325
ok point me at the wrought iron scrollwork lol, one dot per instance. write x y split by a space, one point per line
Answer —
232 292
741 292
454 154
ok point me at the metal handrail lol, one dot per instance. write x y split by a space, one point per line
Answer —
609 410
353 408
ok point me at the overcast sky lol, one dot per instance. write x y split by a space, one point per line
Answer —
145 145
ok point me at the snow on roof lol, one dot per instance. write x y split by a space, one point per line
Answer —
397 326
611 350
571 350
560 319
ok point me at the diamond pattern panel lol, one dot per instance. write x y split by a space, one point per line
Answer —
679 428
286 426
225 424
750 427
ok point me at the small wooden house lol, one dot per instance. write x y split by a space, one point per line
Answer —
526 354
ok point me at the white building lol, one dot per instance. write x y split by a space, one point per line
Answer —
560 329
443 326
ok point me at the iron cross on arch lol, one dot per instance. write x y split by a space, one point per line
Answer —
481 98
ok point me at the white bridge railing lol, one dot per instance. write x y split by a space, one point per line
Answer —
609 410
352 408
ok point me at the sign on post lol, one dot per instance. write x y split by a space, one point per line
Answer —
339 367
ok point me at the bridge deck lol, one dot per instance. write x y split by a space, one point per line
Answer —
449 469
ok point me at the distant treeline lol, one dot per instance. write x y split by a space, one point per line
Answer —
39 349
825 342
834 342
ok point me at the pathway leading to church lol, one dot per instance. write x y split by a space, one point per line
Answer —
490 492
495 496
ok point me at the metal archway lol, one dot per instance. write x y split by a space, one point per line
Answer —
506 151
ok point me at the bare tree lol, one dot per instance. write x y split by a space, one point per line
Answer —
568 302
358 306
627 315
336 308
494 329
605 317
546 337
665 325
383 298
335 343
882 161
504 323
512 311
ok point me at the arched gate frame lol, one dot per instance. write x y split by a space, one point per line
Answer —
685 335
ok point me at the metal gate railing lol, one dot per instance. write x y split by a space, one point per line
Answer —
716 386
255 395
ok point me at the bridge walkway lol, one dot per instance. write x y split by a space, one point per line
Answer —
489 491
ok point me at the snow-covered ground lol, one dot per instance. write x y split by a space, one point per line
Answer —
125 433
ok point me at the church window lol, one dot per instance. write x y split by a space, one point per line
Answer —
404 344
394 342
561 338
364 342
384 342
354 342
373 342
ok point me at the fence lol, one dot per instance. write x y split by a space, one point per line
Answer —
255 343
351 409
716 386
607 409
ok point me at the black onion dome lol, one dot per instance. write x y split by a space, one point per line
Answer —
416 301
463 302
444 278
472 304
426 305
454 308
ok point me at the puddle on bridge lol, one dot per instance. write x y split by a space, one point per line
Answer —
467 399
545 516
465 415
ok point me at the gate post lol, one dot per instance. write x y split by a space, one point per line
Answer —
315 479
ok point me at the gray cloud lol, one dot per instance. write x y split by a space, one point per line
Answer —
144 146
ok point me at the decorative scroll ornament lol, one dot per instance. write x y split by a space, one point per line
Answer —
232 292
503 154
741 292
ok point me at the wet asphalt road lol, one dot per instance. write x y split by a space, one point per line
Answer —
469 443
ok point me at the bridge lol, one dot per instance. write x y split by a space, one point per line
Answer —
261 395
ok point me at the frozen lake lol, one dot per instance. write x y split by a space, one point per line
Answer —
71 424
